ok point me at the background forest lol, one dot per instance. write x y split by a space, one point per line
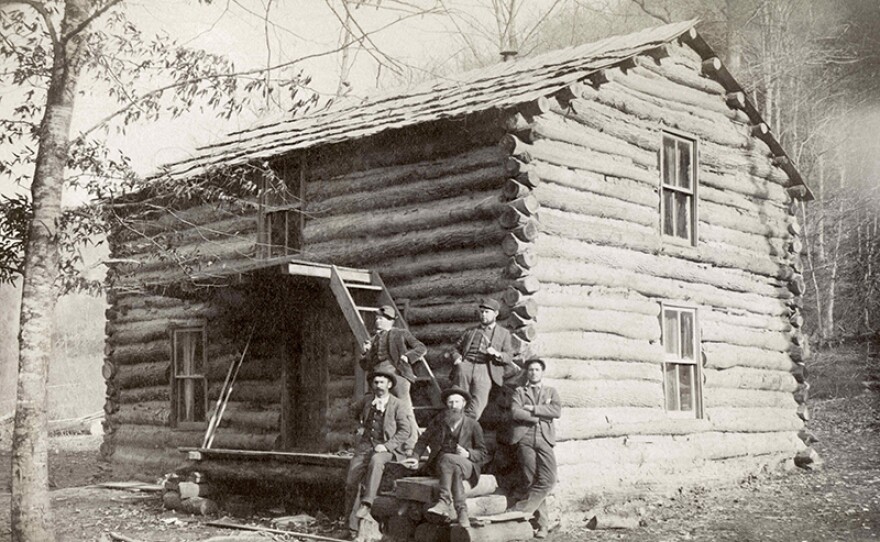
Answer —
811 66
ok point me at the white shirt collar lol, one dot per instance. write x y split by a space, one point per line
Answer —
379 403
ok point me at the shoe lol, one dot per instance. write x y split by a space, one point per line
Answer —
363 511
439 510
541 532
463 519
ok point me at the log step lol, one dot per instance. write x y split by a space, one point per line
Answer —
427 489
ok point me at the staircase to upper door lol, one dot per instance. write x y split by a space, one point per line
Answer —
359 301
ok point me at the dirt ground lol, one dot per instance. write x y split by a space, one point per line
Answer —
841 502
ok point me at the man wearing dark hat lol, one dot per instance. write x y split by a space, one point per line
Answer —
458 451
384 429
534 408
394 350
481 355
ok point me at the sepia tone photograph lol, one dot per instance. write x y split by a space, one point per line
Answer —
439 270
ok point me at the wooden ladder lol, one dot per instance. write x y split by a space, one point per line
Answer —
357 299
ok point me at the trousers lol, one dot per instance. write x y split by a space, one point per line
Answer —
453 469
364 476
475 378
538 467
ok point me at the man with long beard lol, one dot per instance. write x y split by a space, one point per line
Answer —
458 451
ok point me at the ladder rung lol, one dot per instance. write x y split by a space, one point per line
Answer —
352 285
367 309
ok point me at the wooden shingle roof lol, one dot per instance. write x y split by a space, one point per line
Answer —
499 86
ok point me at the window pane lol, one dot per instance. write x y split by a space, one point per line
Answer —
188 353
668 160
668 212
683 216
686 386
191 400
687 335
684 172
671 383
671 333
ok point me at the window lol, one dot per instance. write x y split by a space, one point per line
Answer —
281 217
681 368
678 202
189 387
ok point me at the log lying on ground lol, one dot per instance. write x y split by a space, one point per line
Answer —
609 521
381 178
492 532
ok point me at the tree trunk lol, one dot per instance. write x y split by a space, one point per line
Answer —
31 513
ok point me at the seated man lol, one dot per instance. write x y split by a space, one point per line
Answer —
384 428
457 454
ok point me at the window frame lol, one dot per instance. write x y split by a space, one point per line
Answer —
696 411
278 200
173 332
693 193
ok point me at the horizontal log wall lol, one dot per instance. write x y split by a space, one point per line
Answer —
140 432
591 156
427 221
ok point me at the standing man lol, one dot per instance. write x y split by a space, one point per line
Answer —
481 355
392 349
458 452
384 428
534 408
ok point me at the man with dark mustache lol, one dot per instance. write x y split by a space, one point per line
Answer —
384 430
458 451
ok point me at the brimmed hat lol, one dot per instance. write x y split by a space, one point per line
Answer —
455 391
489 303
387 311
387 374
539 361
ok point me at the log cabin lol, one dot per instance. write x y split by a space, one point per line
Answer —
623 198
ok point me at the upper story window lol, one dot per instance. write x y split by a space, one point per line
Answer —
681 368
281 218
189 386
678 203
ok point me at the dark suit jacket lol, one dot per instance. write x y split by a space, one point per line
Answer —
396 428
547 408
501 340
470 437
400 343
